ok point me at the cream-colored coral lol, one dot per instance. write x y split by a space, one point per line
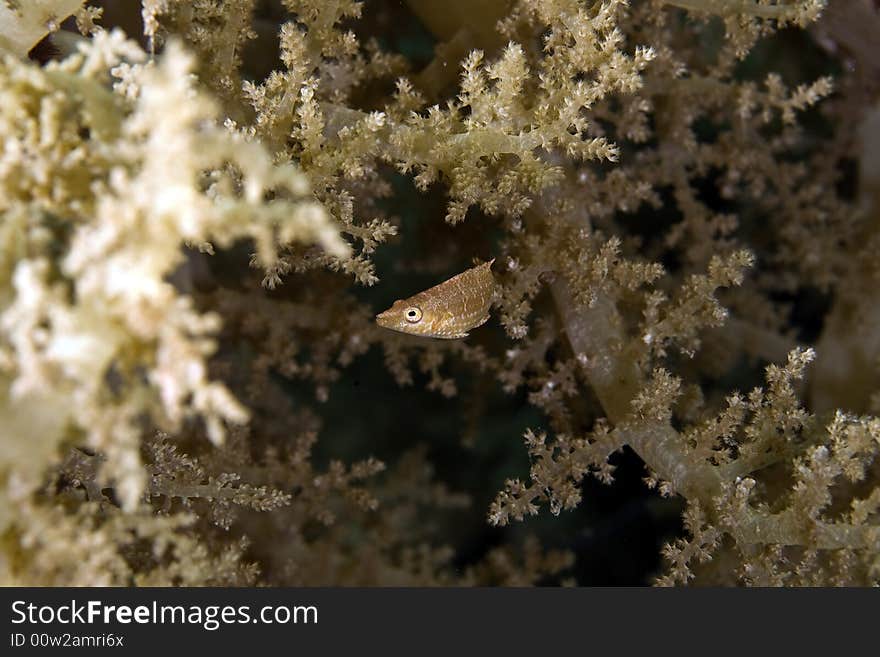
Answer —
658 189
24 22
102 193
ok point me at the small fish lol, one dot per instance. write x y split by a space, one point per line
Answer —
448 310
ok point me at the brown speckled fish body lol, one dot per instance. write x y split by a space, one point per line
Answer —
448 310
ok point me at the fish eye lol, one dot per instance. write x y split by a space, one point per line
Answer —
413 314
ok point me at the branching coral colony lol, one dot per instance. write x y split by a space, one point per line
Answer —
656 191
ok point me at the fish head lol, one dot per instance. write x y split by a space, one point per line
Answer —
406 316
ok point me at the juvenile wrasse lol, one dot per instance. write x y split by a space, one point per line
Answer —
448 310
